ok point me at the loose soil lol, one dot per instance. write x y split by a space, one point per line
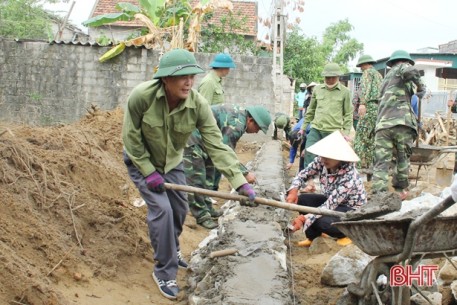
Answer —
70 234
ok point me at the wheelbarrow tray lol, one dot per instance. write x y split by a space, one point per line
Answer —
387 237
428 154
424 154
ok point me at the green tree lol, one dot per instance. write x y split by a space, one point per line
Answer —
24 19
305 57
337 44
225 35
302 60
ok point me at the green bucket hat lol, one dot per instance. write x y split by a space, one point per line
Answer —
281 121
261 116
365 59
222 60
331 70
399 54
178 62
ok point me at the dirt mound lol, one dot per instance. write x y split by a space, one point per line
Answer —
65 205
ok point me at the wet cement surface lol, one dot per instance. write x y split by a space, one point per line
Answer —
257 273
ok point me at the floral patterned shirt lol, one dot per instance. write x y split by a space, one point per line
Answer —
345 187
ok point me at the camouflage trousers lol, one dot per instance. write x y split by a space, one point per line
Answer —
390 143
200 172
364 136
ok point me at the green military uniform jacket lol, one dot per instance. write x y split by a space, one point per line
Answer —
330 109
231 121
211 88
154 138
396 90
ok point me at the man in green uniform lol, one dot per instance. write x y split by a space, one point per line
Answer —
330 109
233 122
396 124
369 96
282 121
159 117
211 85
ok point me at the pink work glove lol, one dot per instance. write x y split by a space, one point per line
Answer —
155 182
247 190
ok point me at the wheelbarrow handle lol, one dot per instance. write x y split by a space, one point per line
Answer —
259 200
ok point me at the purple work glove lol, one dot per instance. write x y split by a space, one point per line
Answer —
155 182
247 190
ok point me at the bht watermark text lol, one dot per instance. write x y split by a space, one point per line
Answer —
424 275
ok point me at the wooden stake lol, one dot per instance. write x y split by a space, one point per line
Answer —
224 252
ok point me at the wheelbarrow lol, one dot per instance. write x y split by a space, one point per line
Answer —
427 155
394 241
424 155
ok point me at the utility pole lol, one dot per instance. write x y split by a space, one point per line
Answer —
279 32
279 38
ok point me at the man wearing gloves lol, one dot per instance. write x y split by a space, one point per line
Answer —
396 124
233 122
159 117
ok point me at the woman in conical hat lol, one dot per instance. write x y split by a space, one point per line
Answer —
341 186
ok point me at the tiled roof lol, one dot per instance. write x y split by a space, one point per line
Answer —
242 9
102 7
245 8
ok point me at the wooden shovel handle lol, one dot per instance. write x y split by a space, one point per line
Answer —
264 201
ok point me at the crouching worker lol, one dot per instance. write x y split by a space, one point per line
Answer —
282 121
342 188
233 122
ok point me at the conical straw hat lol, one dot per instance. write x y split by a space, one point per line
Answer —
334 146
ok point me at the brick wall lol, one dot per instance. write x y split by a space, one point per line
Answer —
43 84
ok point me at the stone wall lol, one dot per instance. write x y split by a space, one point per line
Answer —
43 84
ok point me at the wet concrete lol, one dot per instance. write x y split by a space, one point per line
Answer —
257 273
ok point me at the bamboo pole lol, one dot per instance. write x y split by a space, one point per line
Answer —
263 201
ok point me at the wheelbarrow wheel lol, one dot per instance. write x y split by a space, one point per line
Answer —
378 290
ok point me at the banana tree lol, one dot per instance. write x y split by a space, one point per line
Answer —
165 21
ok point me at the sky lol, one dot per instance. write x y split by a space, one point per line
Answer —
383 26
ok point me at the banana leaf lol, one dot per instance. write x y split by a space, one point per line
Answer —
151 7
113 52
108 18
128 8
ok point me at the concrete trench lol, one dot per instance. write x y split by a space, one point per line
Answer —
257 273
